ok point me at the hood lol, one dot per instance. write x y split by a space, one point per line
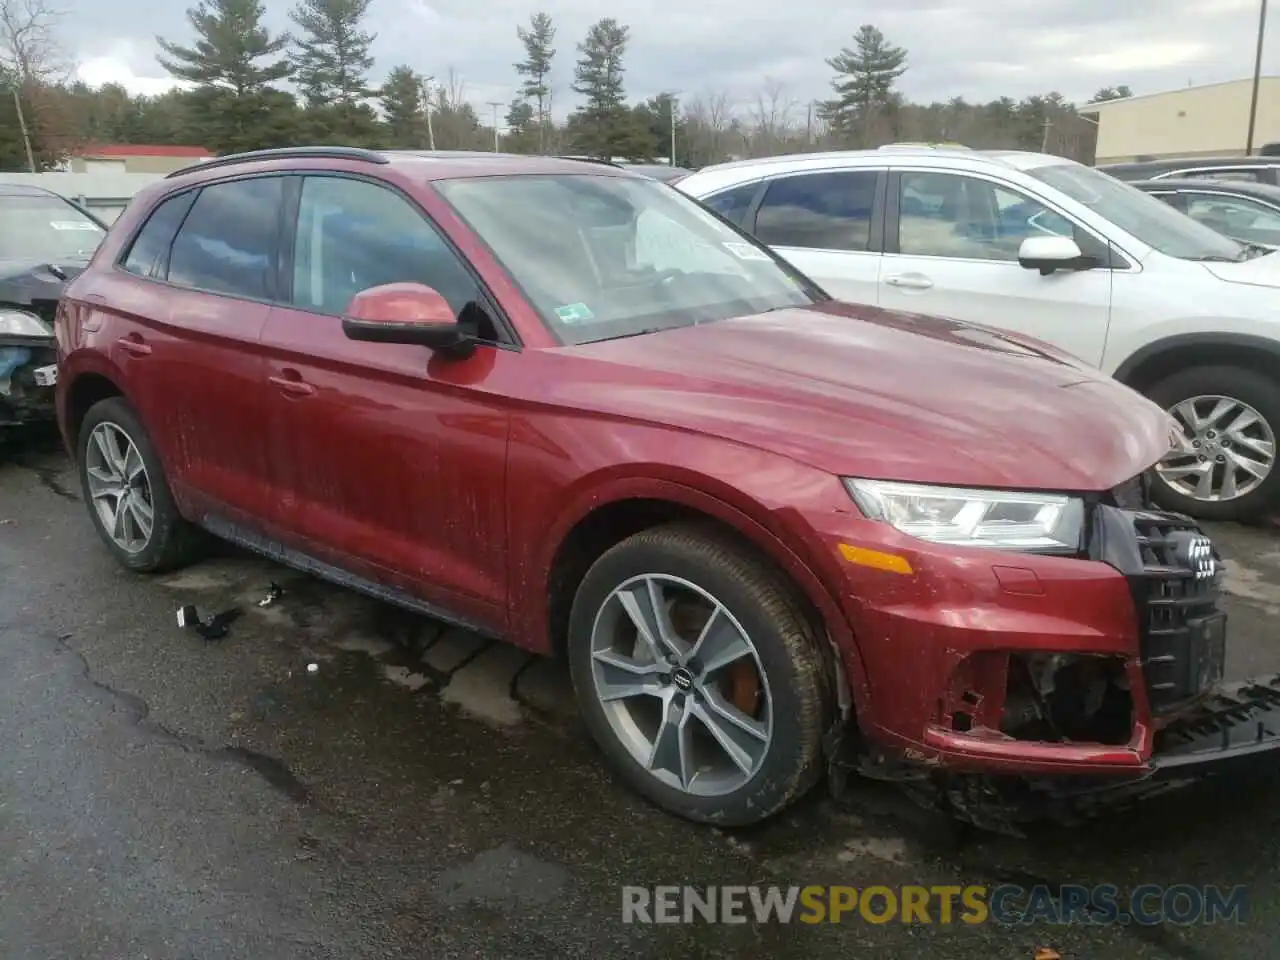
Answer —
866 392
1261 271
36 284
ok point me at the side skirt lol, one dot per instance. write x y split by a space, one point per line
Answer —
274 550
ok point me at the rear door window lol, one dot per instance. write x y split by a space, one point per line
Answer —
228 243
819 211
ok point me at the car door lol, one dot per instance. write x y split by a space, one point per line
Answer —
1235 216
203 271
829 225
390 460
951 249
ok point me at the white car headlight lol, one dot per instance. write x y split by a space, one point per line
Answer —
19 323
996 519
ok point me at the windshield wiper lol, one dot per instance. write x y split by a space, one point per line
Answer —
1215 258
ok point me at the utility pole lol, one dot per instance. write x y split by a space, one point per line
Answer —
1044 143
1257 79
495 104
22 124
426 102
671 106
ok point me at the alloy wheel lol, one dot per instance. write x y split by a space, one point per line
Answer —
1225 449
119 487
681 684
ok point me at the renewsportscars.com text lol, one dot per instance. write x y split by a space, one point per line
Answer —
1008 904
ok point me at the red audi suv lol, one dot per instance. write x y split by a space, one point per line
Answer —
561 404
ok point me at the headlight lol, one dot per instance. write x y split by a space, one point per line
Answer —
1032 522
19 323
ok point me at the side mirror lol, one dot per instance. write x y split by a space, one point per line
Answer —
409 313
1048 254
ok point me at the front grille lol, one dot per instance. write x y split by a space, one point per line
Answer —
1175 589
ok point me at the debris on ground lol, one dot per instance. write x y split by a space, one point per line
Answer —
313 668
210 629
1047 953
274 592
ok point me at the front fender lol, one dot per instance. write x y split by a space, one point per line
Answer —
772 532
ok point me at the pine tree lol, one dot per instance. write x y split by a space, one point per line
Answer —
331 64
233 64
402 105
536 68
331 55
603 122
522 128
864 81
231 41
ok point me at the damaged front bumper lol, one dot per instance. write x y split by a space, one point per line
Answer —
28 374
1072 687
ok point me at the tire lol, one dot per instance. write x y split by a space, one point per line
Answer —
1243 385
173 542
788 656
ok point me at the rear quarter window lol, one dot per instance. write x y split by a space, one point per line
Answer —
734 203
150 248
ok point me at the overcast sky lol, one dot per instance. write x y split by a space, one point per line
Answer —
978 49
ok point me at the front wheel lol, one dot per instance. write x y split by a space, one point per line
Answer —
1224 467
698 677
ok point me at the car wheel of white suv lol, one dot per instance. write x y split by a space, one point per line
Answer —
1225 465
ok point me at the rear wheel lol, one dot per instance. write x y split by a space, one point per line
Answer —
1224 467
124 486
698 677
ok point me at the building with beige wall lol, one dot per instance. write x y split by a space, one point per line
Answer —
1208 121
134 158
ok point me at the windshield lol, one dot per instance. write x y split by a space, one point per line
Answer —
602 257
41 227
1143 216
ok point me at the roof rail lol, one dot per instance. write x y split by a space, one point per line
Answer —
285 153
927 145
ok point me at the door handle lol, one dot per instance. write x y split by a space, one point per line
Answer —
909 281
133 344
293 386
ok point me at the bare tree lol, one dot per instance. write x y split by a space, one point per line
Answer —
33 66
30 53
707 118
771 118
450 92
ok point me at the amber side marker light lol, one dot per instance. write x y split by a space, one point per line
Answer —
875 559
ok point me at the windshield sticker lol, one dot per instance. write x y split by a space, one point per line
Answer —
744 251
73 225
574 313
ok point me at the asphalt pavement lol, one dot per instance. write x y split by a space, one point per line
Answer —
419 793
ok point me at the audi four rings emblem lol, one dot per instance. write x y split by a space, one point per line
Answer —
1200 558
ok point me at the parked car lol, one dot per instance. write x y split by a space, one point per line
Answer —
1257 169
44 240
1056 250
1248 212
561 404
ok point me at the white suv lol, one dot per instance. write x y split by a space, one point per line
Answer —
1059 251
